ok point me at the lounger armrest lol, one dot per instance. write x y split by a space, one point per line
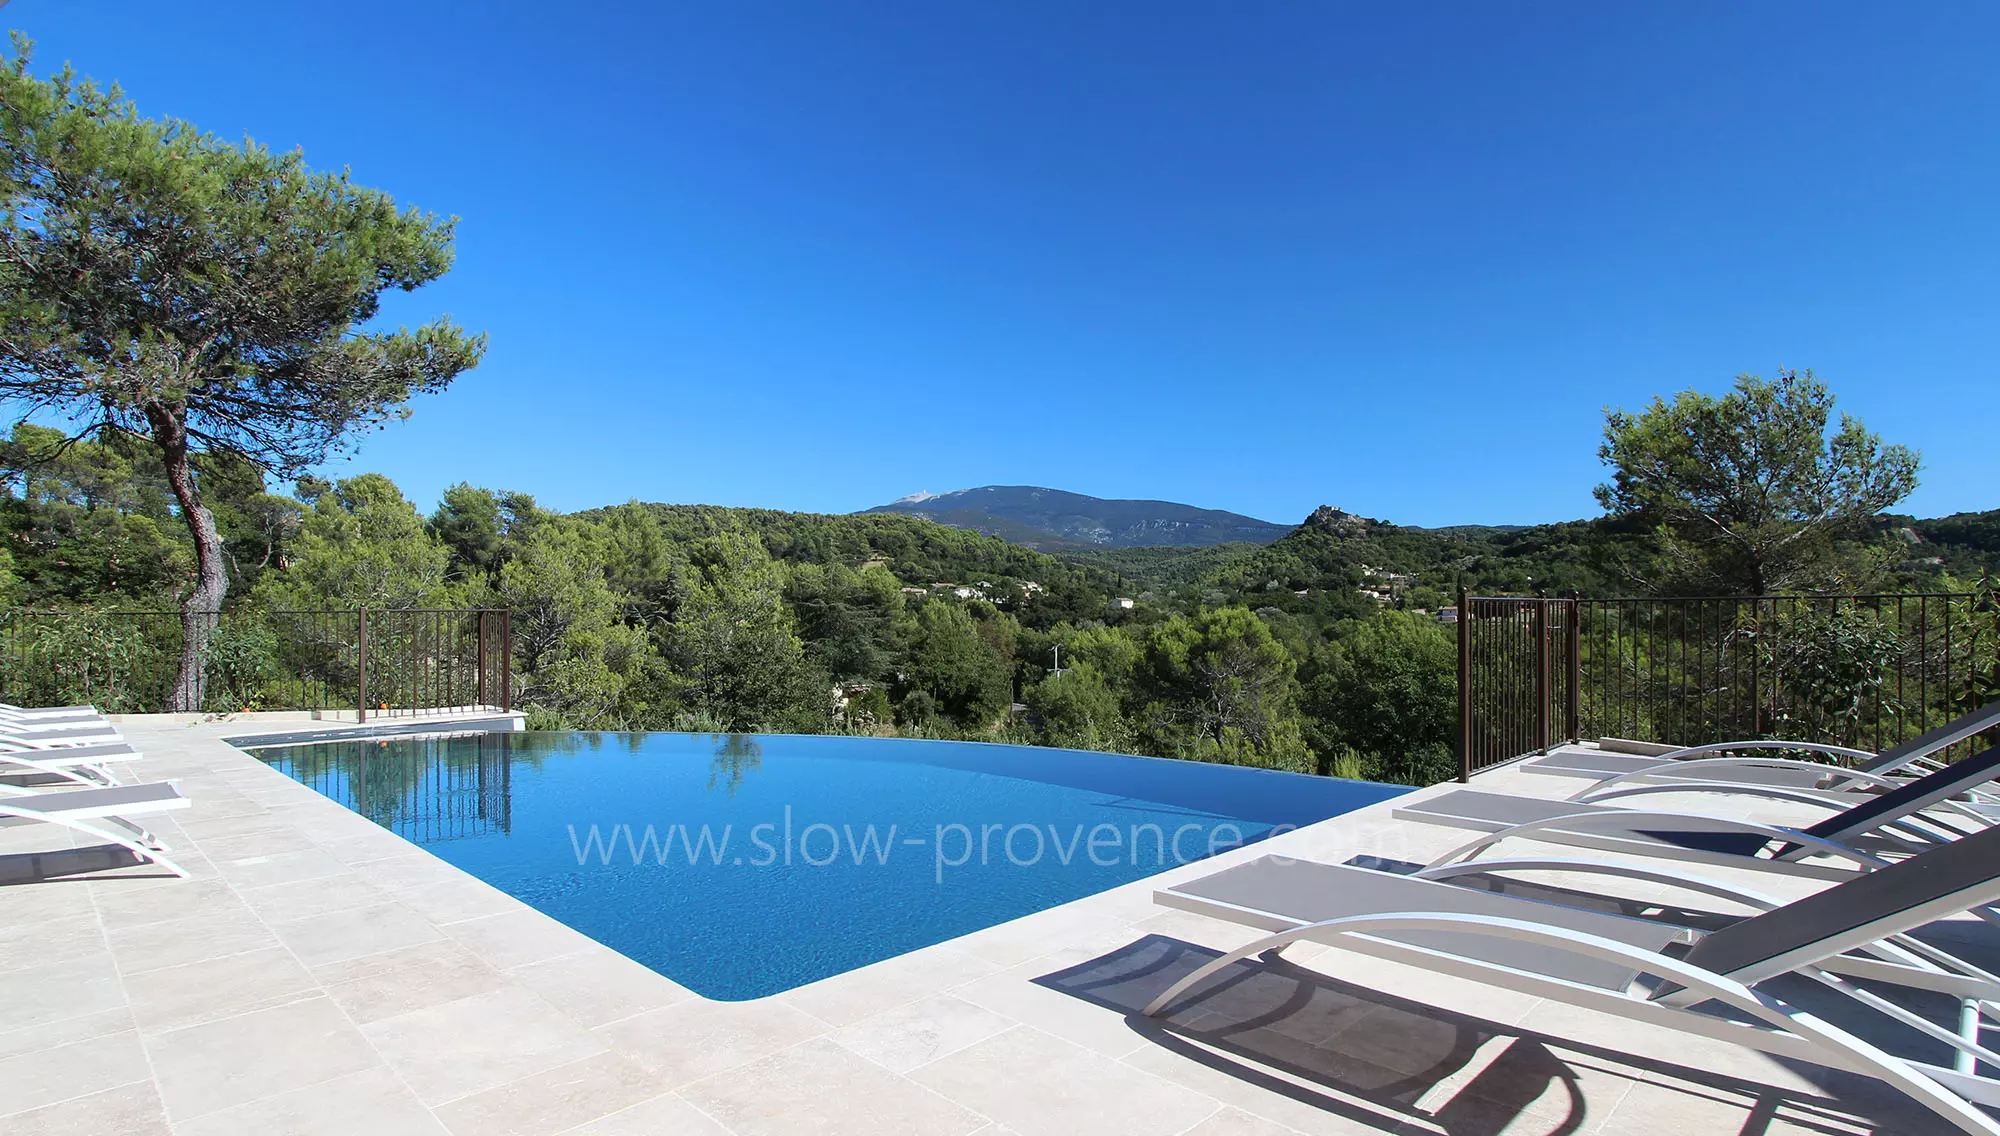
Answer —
1720 764
1615 820
1598 794
1687 752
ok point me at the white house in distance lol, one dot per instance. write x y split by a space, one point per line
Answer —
1122 602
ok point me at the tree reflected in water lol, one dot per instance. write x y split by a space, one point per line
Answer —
422 789
735 756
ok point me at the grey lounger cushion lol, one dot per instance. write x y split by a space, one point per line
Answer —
75 755
1492 812
50 721
83 804
1302 891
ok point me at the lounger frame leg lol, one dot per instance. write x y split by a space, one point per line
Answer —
139 844
21 763
1792 1032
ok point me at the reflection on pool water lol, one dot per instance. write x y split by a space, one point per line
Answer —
742 865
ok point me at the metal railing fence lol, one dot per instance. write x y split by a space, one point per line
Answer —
1859 670
375 663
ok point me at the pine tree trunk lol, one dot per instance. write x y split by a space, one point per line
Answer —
201 610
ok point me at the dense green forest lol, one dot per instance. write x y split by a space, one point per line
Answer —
1334 555
1324 651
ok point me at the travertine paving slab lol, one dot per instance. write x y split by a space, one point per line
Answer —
470 1045
659 1115
405 979
700 1038
355 932
555 1100
373 1102
1033 1082
221 1064
917 1033
597 985
128 1110
37 995
49 1076
819 1087
171 997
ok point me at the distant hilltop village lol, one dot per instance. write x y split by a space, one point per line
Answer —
988 590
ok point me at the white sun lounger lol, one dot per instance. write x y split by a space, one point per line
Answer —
1742 761
10 708
48 715
66 720
100 813
78 734
1597 960
53 721
60 745
85 765
13 736
1862 833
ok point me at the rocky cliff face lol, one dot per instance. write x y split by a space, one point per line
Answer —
1339 522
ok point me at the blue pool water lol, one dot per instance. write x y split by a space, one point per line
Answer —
742 865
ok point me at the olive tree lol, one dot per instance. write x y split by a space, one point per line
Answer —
203 296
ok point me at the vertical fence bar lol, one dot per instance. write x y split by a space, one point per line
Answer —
506 661
1924 658
1464 687
1945 672
479 667
1572 725
1757 649
1542 676
361 665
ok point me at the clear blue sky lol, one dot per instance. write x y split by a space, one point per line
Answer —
1394 257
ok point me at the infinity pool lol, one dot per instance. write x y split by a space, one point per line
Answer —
742 865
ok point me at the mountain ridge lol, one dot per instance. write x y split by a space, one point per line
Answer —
1044 518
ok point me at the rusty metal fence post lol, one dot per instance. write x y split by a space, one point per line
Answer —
479 655
1573 724
1542 671
361 665
506 661
1464 688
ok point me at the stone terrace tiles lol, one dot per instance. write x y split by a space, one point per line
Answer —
320 975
